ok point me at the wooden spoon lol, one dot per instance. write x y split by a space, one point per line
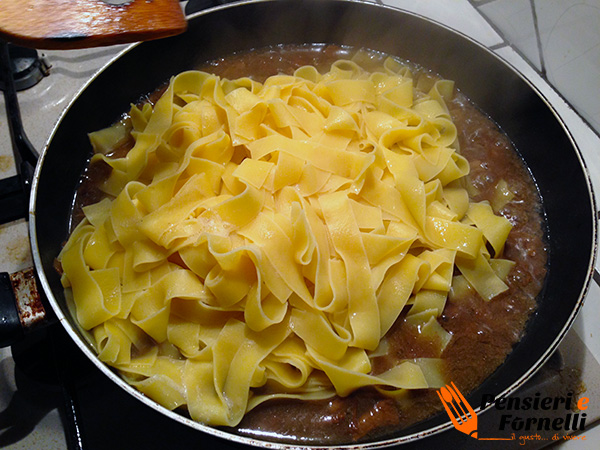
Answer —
68 24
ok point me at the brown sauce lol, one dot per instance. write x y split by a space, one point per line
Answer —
483 332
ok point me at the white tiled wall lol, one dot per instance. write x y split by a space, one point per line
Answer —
514 19
571 47
561 38
464 17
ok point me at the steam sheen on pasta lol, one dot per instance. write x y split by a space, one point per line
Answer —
260 239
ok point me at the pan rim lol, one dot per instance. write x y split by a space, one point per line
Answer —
33 230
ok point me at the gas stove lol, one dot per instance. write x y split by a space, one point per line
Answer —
51 397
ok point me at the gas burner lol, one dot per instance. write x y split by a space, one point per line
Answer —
28 67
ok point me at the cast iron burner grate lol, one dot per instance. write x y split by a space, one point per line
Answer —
14 191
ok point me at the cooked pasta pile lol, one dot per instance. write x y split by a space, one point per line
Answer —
260 239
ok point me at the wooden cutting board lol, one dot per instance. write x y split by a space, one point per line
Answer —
68 24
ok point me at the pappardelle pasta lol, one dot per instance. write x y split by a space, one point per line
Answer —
260 239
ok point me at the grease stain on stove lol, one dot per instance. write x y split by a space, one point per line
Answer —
6 163
16 249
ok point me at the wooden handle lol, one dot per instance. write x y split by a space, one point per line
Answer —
68 24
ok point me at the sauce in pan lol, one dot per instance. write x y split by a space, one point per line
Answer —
483 333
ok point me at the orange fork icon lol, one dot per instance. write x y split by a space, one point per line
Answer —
461 414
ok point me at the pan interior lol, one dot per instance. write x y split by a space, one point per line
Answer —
511 101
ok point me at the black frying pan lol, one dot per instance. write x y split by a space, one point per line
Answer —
513 102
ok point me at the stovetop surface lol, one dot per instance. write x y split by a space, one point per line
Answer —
32 399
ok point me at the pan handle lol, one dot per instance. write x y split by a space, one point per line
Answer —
21 306
69 24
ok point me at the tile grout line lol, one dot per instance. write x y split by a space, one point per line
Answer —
476 3
538 39
505 43
542 73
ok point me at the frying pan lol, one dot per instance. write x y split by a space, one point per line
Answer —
510 100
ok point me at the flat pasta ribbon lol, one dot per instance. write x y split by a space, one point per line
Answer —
259 240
